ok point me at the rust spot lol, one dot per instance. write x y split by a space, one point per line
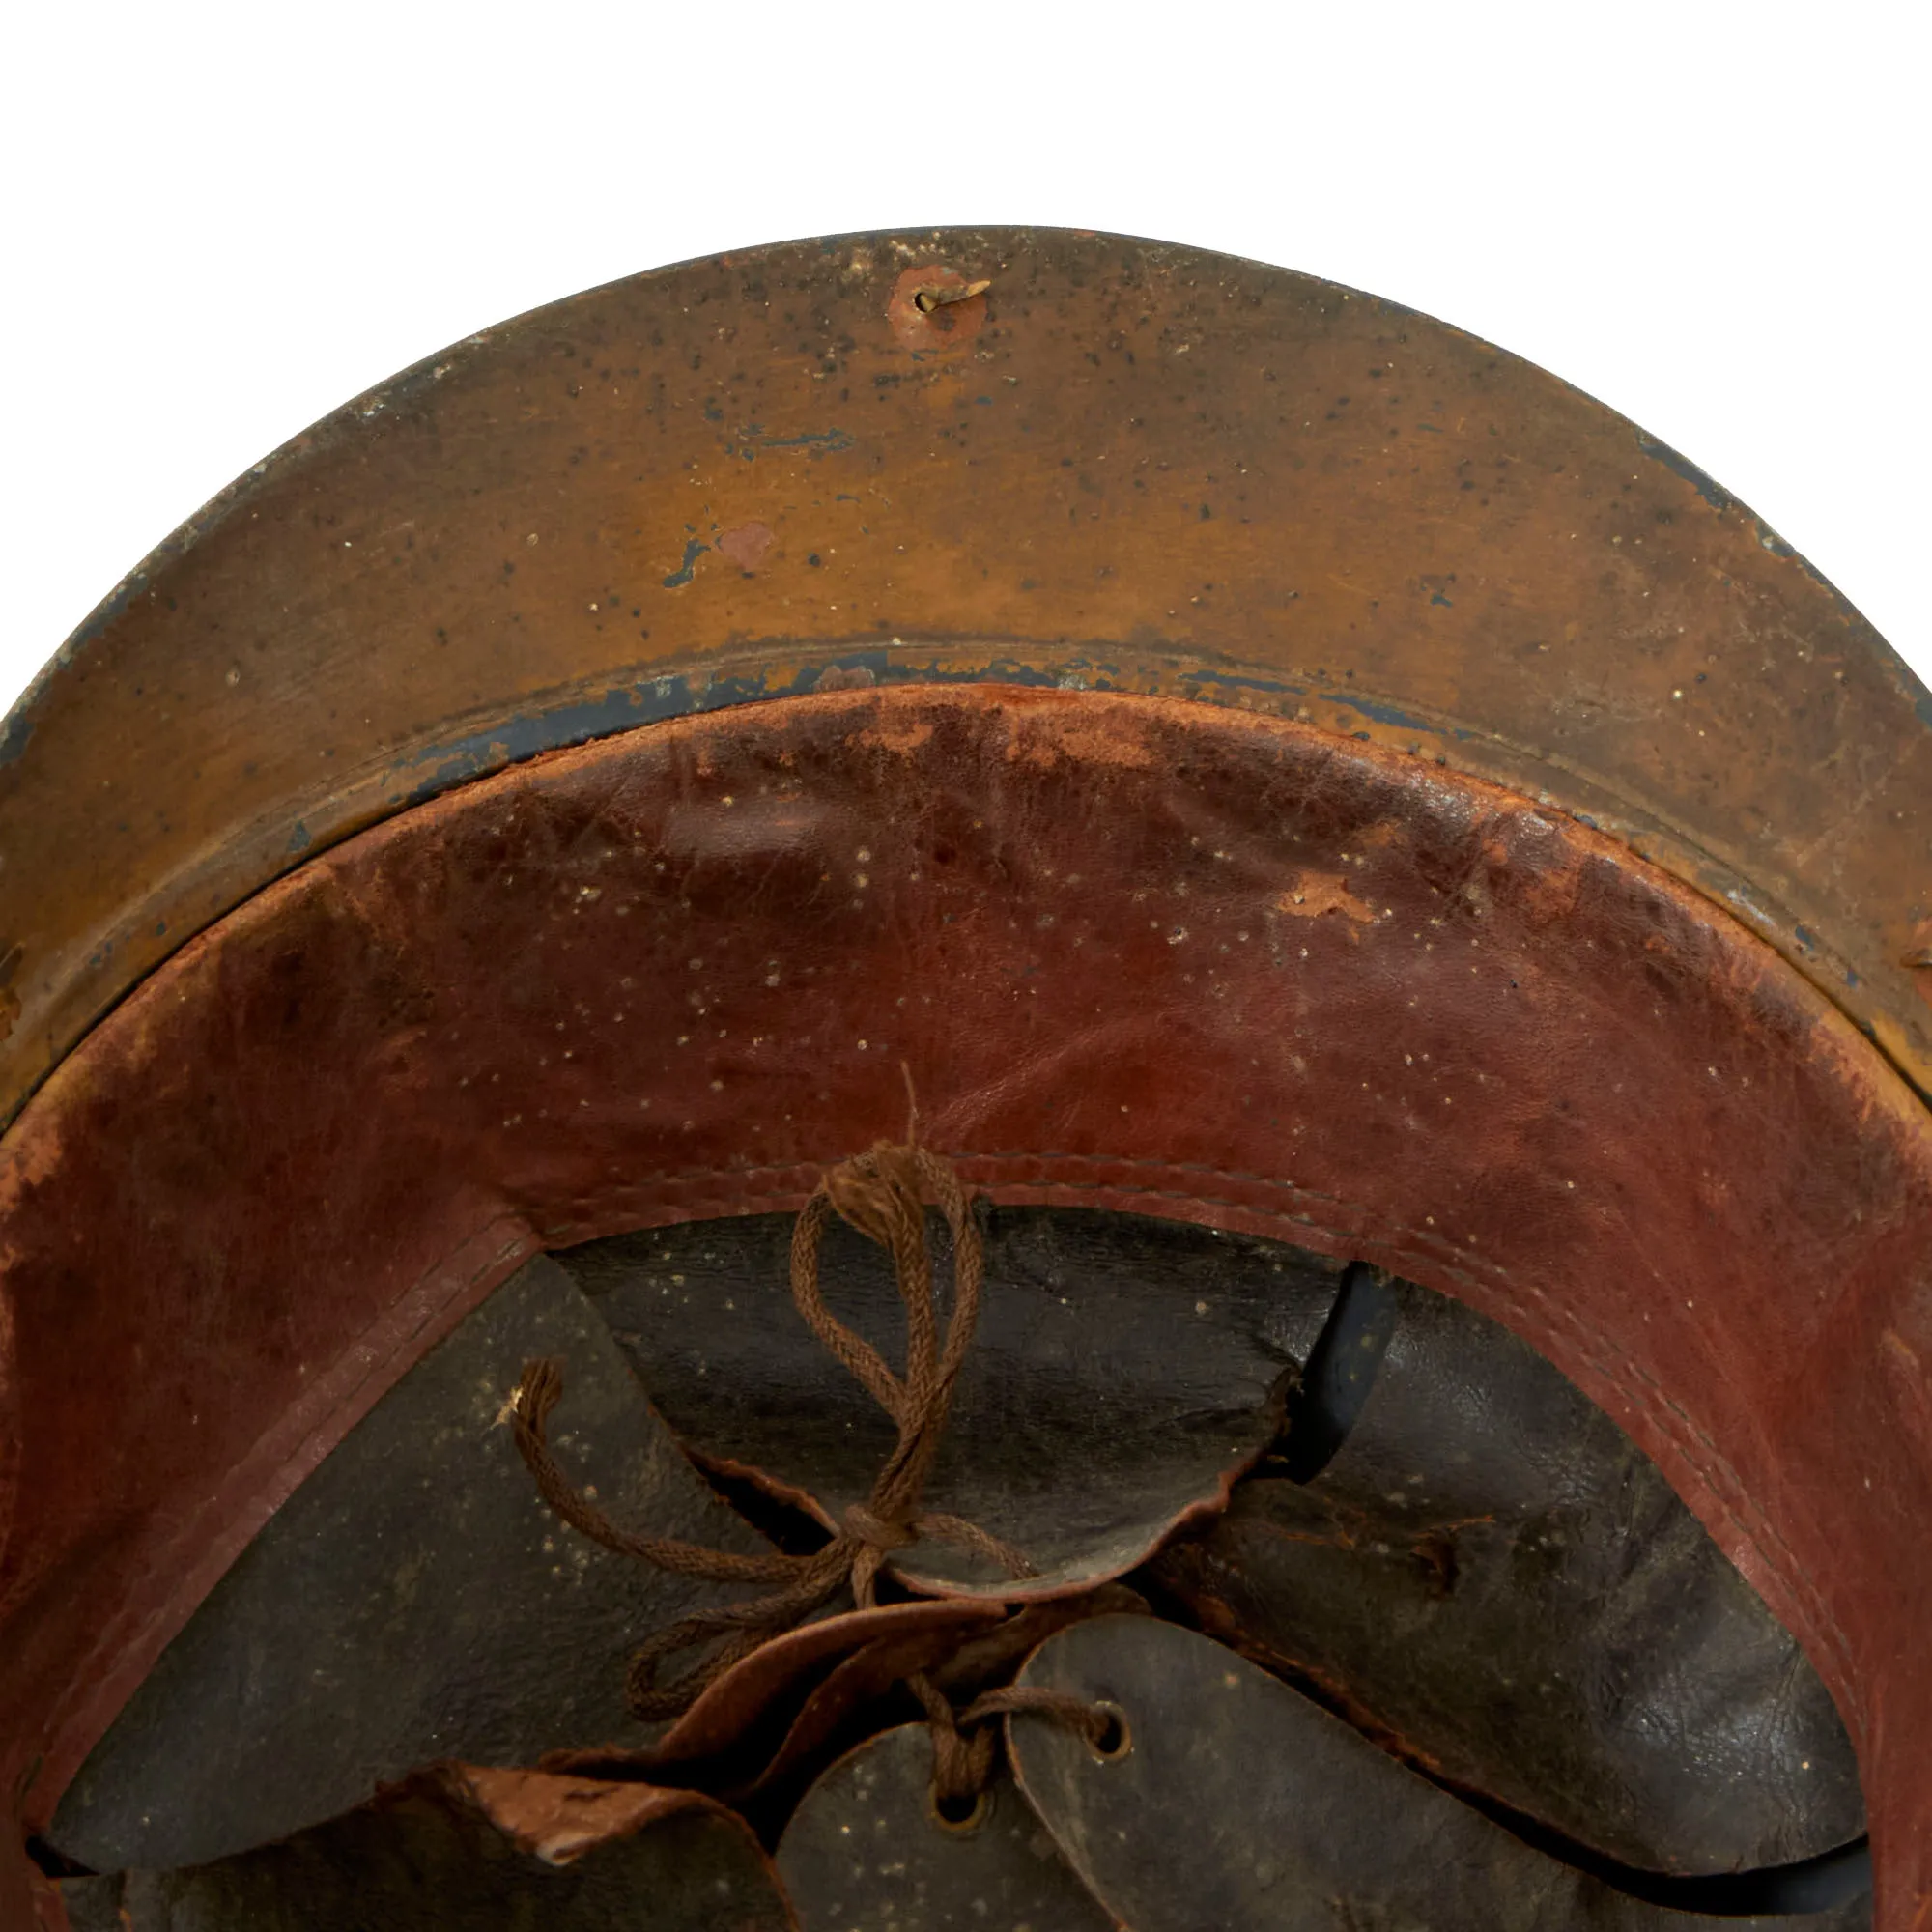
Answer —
746 545
936 307
1316 894
903 735
1113 740
1550 890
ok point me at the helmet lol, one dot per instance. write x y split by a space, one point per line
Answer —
1381 915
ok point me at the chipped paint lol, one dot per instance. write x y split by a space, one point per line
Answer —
694 548
753 438
1706 485
936 310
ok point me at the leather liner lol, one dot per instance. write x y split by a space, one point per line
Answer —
1226 968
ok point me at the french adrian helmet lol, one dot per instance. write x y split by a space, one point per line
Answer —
977 1079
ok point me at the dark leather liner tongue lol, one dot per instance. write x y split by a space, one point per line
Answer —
866 1849
1124 1372
1491 1578
1239 1803
414 1598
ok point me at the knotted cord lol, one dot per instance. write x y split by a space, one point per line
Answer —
884 1195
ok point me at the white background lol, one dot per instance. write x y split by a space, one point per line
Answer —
223 221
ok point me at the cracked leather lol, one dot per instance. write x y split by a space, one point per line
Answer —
1494 1581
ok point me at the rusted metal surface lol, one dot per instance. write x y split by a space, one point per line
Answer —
1122 465
1139 954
